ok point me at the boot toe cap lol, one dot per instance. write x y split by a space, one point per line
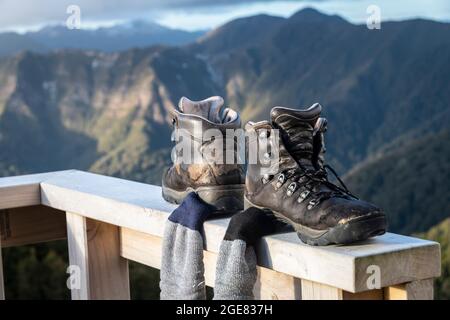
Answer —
342 211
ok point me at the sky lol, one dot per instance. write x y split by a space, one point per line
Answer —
25 15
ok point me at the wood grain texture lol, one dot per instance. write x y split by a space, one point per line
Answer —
376 294
109 278
20 196
397 292
140 207
146 249
273 285
30 225
406 265
21 191
2 283
95 248
416 290
78 255
420 290
316 291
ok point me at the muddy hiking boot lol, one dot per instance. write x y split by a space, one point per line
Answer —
300 193
206 171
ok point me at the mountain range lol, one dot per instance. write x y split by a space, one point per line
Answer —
123 36
410 182
381 90
385 93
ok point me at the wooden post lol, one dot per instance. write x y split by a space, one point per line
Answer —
416 290
406 265
273 285
375 294
317 291
2 285
94 255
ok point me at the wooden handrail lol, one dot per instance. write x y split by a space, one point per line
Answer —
110 220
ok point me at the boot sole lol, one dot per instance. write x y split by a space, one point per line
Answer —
357 229
223 197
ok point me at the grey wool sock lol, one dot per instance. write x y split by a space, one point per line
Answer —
236 264
182 269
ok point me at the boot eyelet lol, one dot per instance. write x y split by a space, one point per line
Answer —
303 196
263 134
291 189
312 204
266 178
280 181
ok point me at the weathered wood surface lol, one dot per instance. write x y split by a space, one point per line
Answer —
416 290
22 191
146 249
94 249
78 256
140 207
2 283
30 225
317 291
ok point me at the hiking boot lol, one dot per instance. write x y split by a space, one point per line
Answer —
300 193
218 183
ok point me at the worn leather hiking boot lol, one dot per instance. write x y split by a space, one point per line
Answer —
206 172
300 193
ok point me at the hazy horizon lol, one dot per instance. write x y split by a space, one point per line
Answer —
201 15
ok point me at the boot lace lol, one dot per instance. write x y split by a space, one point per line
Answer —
309 182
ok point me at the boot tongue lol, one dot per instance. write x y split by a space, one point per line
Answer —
212 109
297 131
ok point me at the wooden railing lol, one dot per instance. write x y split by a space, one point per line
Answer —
108 221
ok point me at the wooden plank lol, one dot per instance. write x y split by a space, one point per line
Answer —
348 267
397 292
420 290
108 200
2 283
30 225
376 294
316 291
414 265
21 191
108 271
95 248
140 207
19 196
78 256
416 290
143 248
146 249
273 285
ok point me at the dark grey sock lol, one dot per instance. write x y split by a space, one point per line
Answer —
182 269
236 264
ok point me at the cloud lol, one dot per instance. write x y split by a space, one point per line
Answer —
33 12
20 15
